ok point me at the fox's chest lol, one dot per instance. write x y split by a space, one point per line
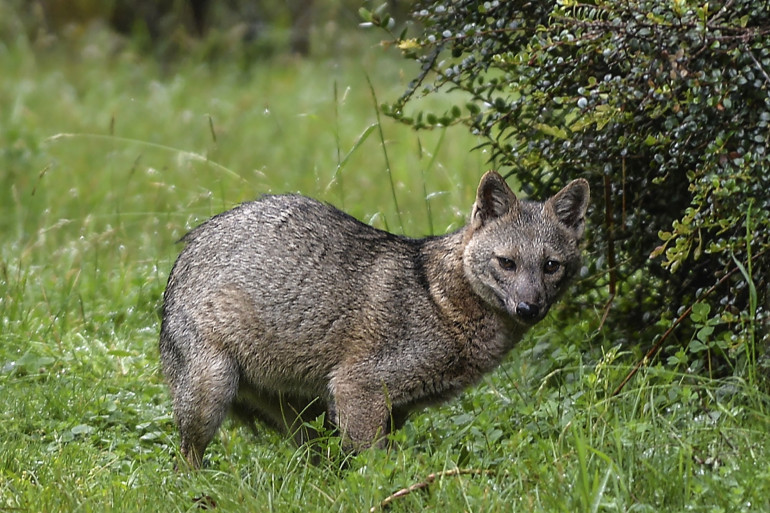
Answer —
480 353
485 351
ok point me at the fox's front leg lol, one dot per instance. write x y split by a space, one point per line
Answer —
360 411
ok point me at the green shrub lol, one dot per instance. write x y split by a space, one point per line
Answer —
663 106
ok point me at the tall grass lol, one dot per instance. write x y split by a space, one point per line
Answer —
88 233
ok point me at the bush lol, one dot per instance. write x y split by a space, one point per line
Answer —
665 108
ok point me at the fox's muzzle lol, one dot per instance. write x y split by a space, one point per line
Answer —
528 311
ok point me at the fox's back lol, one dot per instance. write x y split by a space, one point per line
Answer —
286 275
284 241
280 230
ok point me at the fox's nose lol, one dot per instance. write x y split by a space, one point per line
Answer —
527 311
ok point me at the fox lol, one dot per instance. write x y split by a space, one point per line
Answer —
285 308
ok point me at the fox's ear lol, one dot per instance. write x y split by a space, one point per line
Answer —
493 199
569 205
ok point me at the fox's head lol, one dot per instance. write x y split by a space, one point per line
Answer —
521 255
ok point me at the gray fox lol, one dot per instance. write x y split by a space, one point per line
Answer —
286 308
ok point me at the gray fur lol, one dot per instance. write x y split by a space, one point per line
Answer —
284 308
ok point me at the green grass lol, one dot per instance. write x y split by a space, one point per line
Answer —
88 233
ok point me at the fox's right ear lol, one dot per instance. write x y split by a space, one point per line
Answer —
569 205
493 199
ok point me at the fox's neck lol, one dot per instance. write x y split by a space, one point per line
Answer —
450 290
484 333
449 287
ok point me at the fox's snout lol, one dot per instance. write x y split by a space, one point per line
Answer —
526 310
529 312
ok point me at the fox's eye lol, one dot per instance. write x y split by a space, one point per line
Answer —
551 266
507 264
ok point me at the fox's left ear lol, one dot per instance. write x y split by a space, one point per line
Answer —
569 205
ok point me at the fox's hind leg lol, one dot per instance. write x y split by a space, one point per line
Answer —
202 394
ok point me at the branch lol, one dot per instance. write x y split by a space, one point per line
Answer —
428 480
427 65
759 65
654 349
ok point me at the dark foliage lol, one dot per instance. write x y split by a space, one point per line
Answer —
665 108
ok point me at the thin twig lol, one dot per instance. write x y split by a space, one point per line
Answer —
427 66
759 65
428 480
729 442
723 10
610 226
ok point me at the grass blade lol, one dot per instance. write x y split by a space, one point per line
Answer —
189 154
385 153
